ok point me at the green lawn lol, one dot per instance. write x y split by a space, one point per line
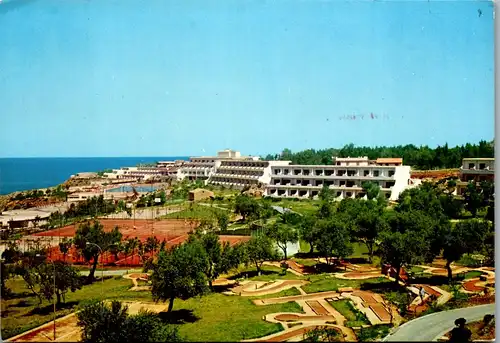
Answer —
195 212
223 318
20 314
353 316
217 317
268 273
304 247
322 284
416 270
373 333
302 206
473 274
306 261
285 293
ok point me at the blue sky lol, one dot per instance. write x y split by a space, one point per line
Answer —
186 77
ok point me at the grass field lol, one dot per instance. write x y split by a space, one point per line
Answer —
332 284
306 262
284 293
21 314
221 318
213 317
268 273
473 274
302 206
353 316
195 212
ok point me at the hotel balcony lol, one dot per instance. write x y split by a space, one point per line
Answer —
337 177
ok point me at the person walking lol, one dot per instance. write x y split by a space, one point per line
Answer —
460 334
422 294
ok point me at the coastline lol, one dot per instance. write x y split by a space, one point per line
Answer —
23 174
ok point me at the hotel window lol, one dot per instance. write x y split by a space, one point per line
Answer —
471 166
366 172
391 173
376 173
482 165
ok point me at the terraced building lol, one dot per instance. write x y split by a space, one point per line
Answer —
345 177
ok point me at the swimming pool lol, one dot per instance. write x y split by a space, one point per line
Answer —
139 189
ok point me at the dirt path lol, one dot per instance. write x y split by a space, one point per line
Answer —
256 288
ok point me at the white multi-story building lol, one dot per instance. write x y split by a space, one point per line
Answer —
239 173
475 170
202 168
345 177
138 173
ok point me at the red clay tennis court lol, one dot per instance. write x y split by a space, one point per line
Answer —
167 229
173 231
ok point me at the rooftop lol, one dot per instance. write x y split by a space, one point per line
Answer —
390 160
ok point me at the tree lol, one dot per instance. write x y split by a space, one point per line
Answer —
146 326
326 194
369 224
129 246
309 231
101 323
222 220
64 246
325 210
4 275
26 265
246 206
88 235
333 239
259 249
371 189
151 245
474 200
67 279
421 157
467 237
220 257
321 334
282 234
408 240
179 273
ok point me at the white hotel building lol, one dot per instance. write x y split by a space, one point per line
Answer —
241 173
345 177
281 179
229 169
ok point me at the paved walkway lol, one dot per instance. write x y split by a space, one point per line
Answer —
433 326
118 272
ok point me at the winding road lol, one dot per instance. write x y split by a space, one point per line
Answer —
433 326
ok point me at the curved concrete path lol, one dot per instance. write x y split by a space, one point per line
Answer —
433 326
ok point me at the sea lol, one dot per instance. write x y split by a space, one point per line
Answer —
20 174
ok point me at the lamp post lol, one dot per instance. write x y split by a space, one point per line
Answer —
102 266
54 298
